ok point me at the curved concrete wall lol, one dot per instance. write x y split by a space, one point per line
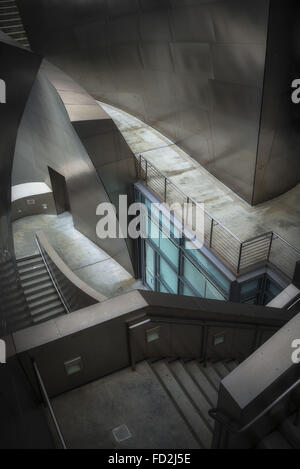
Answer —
193 69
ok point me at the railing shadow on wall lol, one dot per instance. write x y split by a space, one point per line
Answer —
222 334
73 292
239 256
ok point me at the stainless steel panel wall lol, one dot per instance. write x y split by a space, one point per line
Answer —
193 69
278 162
79 152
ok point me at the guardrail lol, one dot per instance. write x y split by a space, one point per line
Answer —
239 256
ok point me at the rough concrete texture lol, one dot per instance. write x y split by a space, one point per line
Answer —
88 415
89 262
281 214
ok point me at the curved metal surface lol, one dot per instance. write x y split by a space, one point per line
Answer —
13 306
193 69
22 423
65 129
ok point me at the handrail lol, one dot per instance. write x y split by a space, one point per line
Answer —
188 197
232 426
48 403
205 323
51 276
244 255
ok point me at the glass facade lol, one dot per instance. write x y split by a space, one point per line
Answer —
259 291
172 266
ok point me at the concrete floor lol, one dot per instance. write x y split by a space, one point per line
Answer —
281 215
90 263
87 415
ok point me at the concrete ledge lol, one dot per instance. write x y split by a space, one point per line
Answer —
63 326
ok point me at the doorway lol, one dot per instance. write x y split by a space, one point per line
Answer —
60 191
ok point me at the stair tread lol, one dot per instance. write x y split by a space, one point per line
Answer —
44 293
291 432
193 391
31 267
211 375
46 308
203 382
43 301
47 284
231 365
221 369
184 405
35 281
32 274
274 440
49 315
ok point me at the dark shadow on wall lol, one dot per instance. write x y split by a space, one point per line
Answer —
60 191
22 423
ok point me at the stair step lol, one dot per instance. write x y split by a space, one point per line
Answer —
31 267
44 309
34 282
44 293
188 411
42 301
203 383
49 315
39 289
211 375
231 365
291 432
33 274
274 441
192 390
28 260
221 369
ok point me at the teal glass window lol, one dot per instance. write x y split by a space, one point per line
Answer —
212 293
194 277
168 275
208 267
170 250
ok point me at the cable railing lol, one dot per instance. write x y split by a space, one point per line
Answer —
239 256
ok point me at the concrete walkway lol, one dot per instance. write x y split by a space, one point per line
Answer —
281 215
90 263
90 415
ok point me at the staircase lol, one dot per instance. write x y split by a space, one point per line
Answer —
287 436
11 22
42 298
193 390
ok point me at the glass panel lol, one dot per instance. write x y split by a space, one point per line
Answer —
168 227
212 293
168 275
162 289
153 232
184 290
169 250
194 277
150 280
272 288
250 288
150 257
208 267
